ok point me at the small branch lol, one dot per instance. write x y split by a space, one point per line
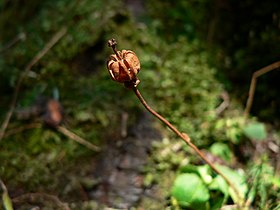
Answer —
40 54
187 140
224 105
61 129
42 199
253 84
3 186
77 138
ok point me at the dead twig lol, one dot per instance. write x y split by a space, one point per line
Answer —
40 54
41 199
253 84
224 105
3 186
61 129
77 138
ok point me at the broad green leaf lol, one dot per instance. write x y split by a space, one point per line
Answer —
189 190
237 179
219 184
203 171
255 131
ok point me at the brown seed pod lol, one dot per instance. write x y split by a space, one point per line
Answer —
123 66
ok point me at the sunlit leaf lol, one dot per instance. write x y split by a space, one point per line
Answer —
255 131
205 173
237 179
189 190
220 185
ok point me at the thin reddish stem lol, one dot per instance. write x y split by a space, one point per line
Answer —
186 138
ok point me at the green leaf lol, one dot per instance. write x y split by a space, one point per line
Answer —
189 168
219 184
205 173
189 190
221 150
7 201
237 179
276 181
255 131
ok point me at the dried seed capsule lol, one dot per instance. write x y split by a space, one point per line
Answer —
123 66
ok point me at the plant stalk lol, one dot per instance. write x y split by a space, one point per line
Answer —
253 84
186 138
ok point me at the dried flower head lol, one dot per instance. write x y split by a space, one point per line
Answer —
123 66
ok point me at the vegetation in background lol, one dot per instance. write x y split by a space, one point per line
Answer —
241 37
179 73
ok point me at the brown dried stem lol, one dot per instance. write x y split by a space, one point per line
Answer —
254 83
77 138
224 105
113 43
187 140
61 129
40 54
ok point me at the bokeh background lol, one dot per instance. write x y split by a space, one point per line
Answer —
197 59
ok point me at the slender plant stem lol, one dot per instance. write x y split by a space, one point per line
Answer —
253 84
77 138
186 138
